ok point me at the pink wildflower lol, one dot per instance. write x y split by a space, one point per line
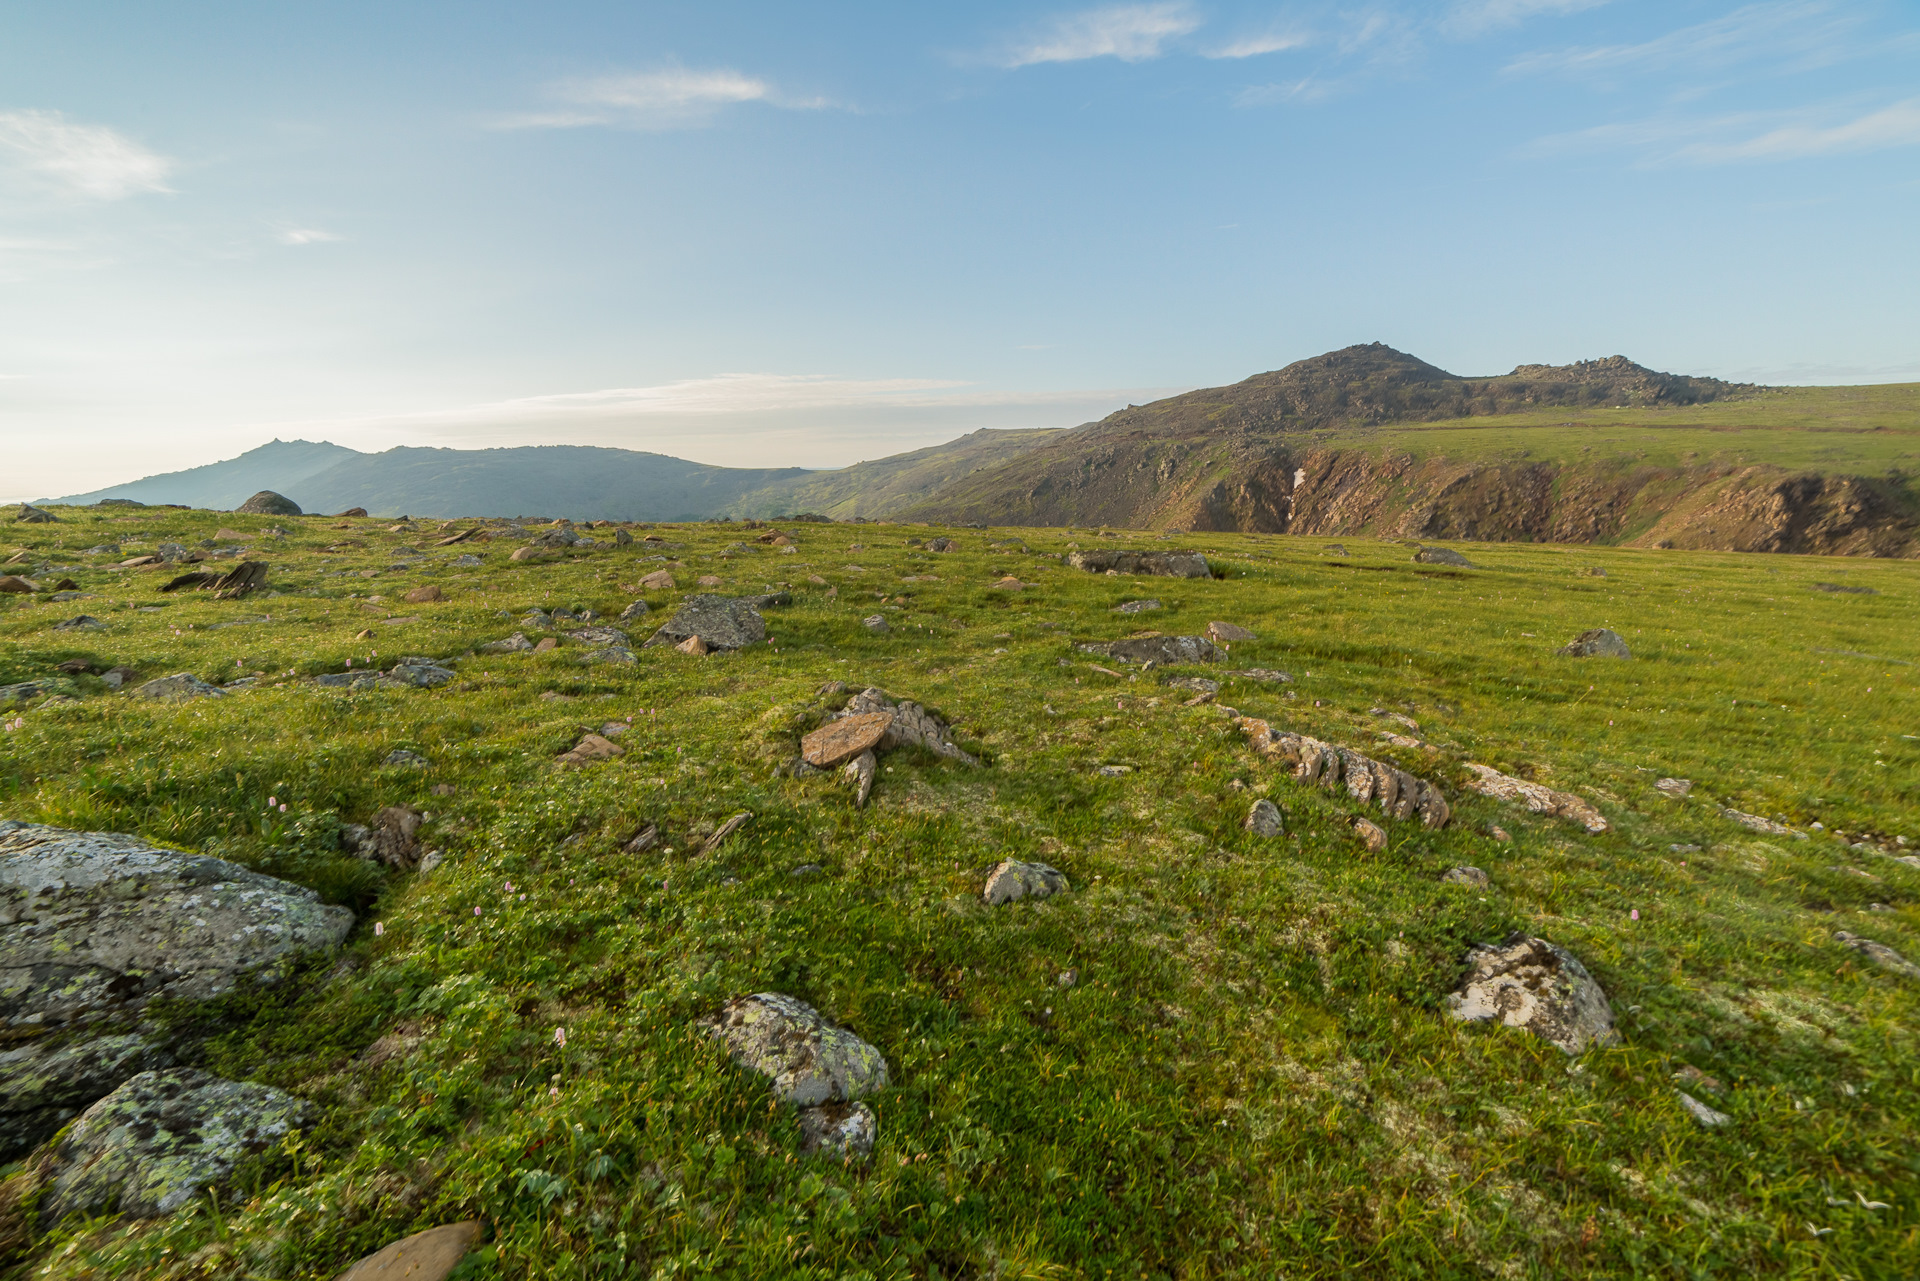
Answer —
1634 915
379 928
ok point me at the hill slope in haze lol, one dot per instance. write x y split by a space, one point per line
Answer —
884 486
279 465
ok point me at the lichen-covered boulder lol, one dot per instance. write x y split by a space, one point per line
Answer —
1598 642
722 622
42 1086
808 1060
1161 650
1442 556
1012 879
94 924
177 688
1533 984
268 503
1265 819
845 1130
161 1140
912 725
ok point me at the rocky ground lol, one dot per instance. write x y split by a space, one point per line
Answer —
864 899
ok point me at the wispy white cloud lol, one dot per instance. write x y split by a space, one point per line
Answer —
672 98
1747 136
89 161
1129 32
1476 17
308 236
1255 46
1795 30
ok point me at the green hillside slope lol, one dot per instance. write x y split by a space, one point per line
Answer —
887 485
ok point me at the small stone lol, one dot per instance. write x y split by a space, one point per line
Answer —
708 580
636 610
618 654
1691 1075
875 623
643 840
1371 834
844 738
1879 953
592 747
1013 879
1228 633
861 769
1472 877
692 645
726 829
1674 787
177 688
1600 642
1755 823
1442 556
546 646
402 757
844 1130
514 644
1137 606
1114 771
1265 820
658 580
425 1256
528 553
806 869
1498 833
81 623
1700 1112
1533 984
424 595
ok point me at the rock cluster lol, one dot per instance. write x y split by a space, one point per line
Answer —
1540 799
1397 793
1159 650
1533 984
1161 564
822 1069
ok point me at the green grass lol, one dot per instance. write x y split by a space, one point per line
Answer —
1252 1075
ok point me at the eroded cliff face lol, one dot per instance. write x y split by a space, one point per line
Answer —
1715 507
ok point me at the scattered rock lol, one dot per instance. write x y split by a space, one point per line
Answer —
875 623
1114 771
98 924
1194 684
1009 584
1160 650
425 1256
722 622
177 688
636 610
1442 556
1674 787
1498 833
1488 781
862 769
1700 1080
402 757
845 1130
1161 564
944 545
1264 819
1533 984
692 645
351 513
15 583
1334 549
1228 633
388 840
613 654
546 645
1598 642
845 738
115 677
1879 953
514 644
43 1087
1013 879
592 747
421 673
1838 587
268 503
808 1060
533 552
708 580
912 725
80 623
1397 793
1137 606
424 595
35 515
1755 823
247 576
1472 877
1370 834
467 561
658 580
1266 674
161 1140
643 840
1700 1112
726 829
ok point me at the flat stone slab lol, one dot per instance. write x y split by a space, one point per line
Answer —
424 1256
1540 799
845 738
1156 649
721 622
1159 564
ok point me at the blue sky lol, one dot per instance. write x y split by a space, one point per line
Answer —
807 234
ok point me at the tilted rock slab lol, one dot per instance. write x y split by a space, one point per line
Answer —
1397 793
822 1069
1163 564
44 1087
1161 650
1541 800
1533 984
160 1140
96 923
912 725
723 622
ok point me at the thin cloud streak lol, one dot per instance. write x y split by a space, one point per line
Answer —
308 236
1750 136
88 161
1131 33
1256 46
1803 33
673 98
1476 17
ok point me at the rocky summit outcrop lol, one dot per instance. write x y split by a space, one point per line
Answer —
268 503
1397 793
810 1063
1162 564
721 622
160 1140
1533 984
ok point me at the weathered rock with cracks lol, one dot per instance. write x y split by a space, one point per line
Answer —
861 770
721 622
1540 799
1397 793
268 503
1442 556
911 725
1264 819
1013 879
1533 984
1598 642
42 1086
1879 953
1162 564
845 737
1160 650
177 688
808 1060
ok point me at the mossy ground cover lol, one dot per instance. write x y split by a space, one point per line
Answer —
1250 1072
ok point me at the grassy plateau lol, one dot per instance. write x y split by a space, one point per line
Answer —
1217 1056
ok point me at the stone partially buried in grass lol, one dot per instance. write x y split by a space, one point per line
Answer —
1013 879
845 738
1541 800
809 1062
431 1255
721 622
1533 984
1597 642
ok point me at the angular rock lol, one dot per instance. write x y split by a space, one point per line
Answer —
844 1130
1755 823
845 738
390 839
658 580
692 645
913 725
633 611
1706 1116
425 1256
1137 607
726 829
1442 556
514 644
268 503
1156 649
1228 633
1488 781
1674 787
177 688
944 545
862 769
424 595
1194 684
876 623
1371 834
97 924
722 622
15 583
243 578
401 756
1471 877
160 1140
599 636
1264 819
1012 879
808 1060
35 515
468 561
533 553
592 747
1533 984
1598 642
421 674
1879 953
769 600
1397 793
1161 564
80 623
43 1087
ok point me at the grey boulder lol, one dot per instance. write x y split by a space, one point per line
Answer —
421 675
1442 556
97 924
514 644
160 1141
1013 879
177 688
1597 642
1157 649
808 1060
42 1087
1160 564
1533 984
1264 819
268 503
722 622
